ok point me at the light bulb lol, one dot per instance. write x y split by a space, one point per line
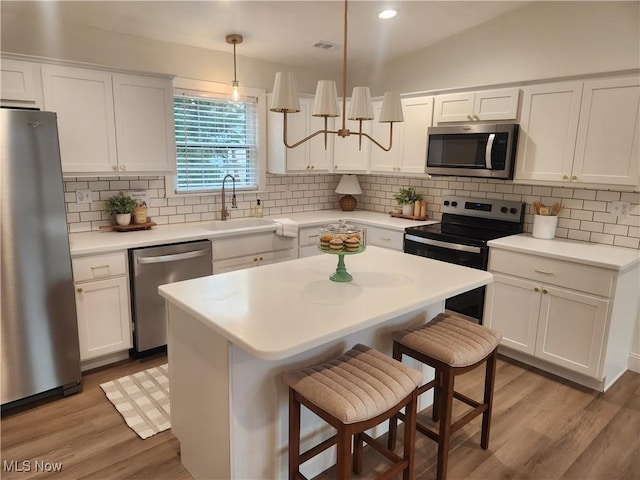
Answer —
234 88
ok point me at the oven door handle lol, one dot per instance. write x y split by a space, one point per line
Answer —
447 245
488 150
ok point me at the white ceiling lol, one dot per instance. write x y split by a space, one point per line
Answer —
280 31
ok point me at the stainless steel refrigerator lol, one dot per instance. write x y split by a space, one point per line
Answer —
39 336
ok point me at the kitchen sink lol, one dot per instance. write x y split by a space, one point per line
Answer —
239 223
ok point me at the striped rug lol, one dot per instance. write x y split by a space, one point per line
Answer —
142 399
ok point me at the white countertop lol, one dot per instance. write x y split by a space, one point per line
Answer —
606 256
280 310
108 241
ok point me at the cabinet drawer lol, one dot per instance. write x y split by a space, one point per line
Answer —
584 278
308 236
99 266
382 237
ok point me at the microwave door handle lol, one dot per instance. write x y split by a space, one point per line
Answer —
487 152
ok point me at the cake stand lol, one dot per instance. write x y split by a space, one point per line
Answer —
341 274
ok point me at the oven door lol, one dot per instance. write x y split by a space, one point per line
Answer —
469 303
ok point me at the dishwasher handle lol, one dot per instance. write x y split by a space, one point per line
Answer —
172 258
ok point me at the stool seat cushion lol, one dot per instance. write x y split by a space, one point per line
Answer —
360 385
451 339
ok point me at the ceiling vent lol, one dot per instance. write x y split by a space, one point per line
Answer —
322 45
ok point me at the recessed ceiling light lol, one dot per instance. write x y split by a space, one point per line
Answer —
385 14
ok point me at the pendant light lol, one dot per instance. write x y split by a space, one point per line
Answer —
285 100
234 39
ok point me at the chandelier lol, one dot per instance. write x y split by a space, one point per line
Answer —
285 100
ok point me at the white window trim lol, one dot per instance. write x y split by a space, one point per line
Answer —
204 87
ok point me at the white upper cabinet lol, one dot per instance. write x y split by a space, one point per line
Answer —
409 150
309 157
83 102
348 156
581 132
20 83
144 123
608 132
501 104
111 123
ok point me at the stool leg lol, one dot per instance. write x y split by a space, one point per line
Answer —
410 435
294 435
444 435
357 453
393 421
489 380
435 409
343 466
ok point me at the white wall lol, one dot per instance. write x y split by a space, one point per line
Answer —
541 40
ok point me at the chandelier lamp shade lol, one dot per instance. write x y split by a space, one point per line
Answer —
234 39
348 187
285 100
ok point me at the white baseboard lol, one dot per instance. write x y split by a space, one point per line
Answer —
634 362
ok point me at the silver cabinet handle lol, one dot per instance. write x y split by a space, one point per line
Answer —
544 272
106 265
172 258
386 239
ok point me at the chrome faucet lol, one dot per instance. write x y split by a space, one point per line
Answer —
224 213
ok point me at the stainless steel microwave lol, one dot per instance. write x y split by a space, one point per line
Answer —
487 150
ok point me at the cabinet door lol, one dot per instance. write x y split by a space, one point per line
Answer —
17 83
571 330
104 324
607 145
144 124
417 119
512 307
548 129
83 101
455 107
496 104
348 156
384 237
390 161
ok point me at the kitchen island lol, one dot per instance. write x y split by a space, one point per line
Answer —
231 337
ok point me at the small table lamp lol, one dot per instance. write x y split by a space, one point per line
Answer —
348 186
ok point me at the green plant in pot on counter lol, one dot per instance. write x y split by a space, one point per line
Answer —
120 207
405 198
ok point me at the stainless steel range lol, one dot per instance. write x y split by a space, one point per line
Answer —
461 238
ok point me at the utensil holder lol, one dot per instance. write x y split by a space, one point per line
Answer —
544 226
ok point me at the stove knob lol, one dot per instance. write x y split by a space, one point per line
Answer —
513 210
454 204
446 203
504 209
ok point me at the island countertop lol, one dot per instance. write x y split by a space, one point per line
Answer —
280 310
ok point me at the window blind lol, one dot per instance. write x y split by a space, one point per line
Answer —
215 137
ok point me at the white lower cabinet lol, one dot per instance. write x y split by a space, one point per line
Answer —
102 304
554 313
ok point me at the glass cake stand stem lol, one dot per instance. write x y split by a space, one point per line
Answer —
341 274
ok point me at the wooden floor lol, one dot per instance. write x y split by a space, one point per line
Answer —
543 428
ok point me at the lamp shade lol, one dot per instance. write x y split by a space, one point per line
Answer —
326 101
349 185
391 108
361 106
285 94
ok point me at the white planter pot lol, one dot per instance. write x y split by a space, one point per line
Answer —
407 209
123 219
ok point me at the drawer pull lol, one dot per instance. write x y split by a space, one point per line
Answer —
97 267
544 272
536 289
544 290
386 239
80 290
314 236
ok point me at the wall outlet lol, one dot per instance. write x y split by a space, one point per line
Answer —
620 209
83 196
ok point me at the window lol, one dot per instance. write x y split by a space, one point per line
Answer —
215 137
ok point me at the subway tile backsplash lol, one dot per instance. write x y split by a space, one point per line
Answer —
586 215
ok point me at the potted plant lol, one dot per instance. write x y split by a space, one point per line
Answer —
405 198
120 207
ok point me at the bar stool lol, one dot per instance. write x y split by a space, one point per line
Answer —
353 393
451 345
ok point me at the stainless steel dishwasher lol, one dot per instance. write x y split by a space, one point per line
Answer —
154 266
